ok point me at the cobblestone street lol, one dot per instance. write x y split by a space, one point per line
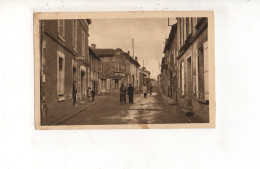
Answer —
108 110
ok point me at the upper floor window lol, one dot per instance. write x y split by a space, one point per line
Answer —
74 34
60 75
83 43
61 28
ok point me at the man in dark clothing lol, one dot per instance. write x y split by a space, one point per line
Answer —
130 92
122 94
93 94
74 93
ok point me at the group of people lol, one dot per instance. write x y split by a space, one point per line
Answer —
91 93
130 92
124 91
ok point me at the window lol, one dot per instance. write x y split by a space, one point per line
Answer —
203 79
187 27
83 43
100 66
74 35
61 29
117 66
182 85
60 75
103 83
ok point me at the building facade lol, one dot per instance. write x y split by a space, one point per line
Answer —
144 76
94 62
64 61
169 64
116 67
184 71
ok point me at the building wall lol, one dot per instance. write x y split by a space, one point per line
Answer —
190 98
117 69
53 106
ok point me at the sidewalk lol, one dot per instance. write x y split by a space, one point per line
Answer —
180 110
75 111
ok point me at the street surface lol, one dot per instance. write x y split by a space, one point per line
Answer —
108 110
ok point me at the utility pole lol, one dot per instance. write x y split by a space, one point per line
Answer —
133 47
143 70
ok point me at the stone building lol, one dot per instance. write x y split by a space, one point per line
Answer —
94 62
116 67
186 63
193 82
169 65
144 76
64 61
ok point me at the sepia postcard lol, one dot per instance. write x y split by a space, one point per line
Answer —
124 70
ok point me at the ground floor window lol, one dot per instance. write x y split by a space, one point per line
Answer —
103 84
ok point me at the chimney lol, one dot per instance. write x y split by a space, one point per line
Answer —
93 46
143 68
128 52
136 58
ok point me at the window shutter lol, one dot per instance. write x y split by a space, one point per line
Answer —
108 83
61 27
206 71
83 43
182 78
184 30
197 74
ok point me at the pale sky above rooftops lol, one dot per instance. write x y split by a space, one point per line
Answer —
149 36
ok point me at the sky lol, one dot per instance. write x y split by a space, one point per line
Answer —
149 36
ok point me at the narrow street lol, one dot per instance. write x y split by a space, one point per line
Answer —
108 110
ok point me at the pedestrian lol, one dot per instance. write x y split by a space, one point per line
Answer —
74 93
144 90
89 93
130 92
122 94
151 88
93 94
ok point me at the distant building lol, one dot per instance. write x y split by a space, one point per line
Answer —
117 67
144 75
94 62
170 64
64 61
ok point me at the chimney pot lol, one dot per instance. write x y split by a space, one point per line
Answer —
93 46
136 58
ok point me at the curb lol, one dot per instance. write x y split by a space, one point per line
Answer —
66 117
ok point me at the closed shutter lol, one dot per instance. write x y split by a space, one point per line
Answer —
206 71
108 83
75 34
61 26
197 73
182 79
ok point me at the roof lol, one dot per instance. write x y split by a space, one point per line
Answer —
111 52
93 53
170 38
104 52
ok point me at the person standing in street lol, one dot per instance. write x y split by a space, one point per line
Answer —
145 90
74 93
93 94
89 93
151 88
130 92
122 94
